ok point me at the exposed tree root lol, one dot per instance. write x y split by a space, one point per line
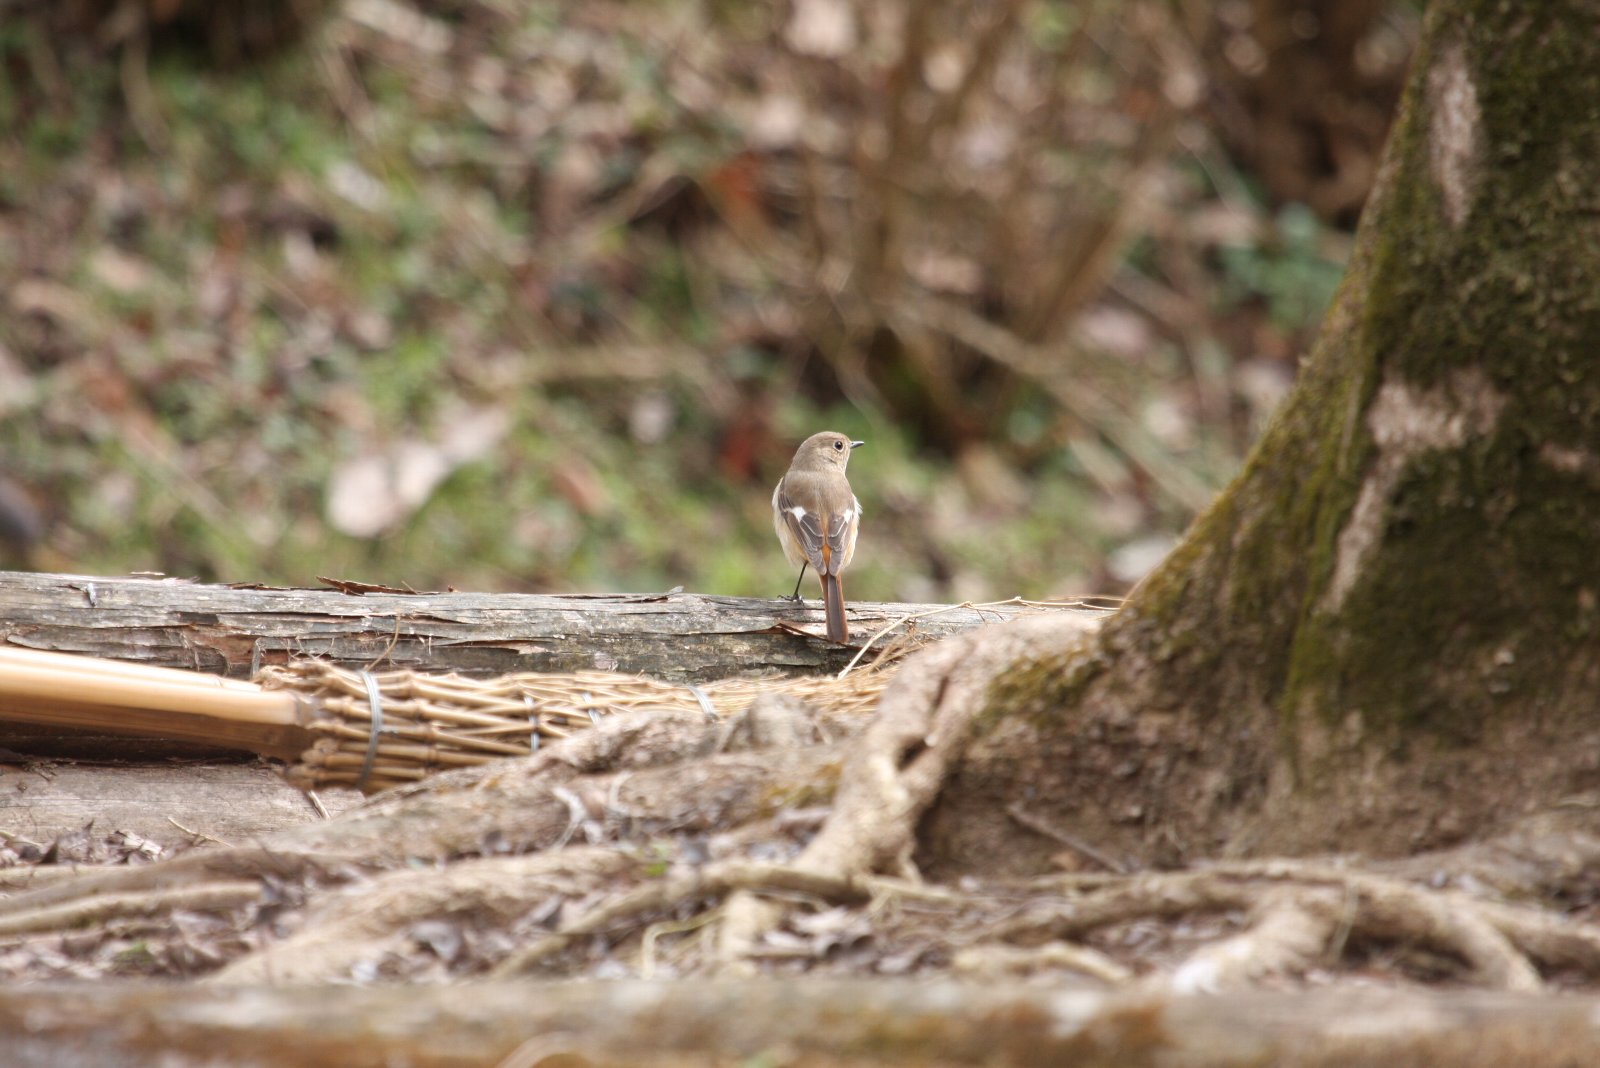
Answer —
1288 930
920 731
367 920
715 881
175 876
1552 854
1300 915
710 882
903 758
1311 910
993 961
209 897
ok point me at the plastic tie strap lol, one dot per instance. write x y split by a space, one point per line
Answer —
705 702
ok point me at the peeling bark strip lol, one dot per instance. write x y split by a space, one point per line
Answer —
680 637
1453 133
1406 423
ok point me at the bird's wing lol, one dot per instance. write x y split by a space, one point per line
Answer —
823 535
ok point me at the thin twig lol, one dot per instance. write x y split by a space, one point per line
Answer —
142 106
208 897
1010 602
196 834
1038 825
316 803
652 934
897 623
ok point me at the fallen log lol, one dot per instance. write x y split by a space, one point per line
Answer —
235 630
807 1022
356 725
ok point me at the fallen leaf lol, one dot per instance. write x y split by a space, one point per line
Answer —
373 493
824 28
376 491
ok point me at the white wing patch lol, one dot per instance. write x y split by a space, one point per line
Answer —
798 512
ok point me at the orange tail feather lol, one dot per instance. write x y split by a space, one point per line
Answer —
833 602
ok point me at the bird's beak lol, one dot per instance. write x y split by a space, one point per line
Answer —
857 444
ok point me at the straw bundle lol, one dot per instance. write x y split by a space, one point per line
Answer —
429 723
371 729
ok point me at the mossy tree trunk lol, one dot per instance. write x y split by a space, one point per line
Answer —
1386 634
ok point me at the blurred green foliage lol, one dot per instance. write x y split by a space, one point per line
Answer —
1291 270
224 286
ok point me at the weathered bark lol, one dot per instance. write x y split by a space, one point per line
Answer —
810 1023
1382 636
678 637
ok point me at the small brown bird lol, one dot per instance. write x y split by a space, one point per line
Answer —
817 517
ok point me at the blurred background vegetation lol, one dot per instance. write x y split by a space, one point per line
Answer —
500 294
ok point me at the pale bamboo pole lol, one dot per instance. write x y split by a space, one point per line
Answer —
11 654
58 689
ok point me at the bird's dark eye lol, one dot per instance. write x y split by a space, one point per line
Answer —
838 445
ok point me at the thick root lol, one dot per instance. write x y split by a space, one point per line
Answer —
367 924
903 758
921 730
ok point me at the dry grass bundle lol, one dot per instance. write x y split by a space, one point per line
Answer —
372 730
379 729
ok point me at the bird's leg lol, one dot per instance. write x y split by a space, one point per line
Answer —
795 596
